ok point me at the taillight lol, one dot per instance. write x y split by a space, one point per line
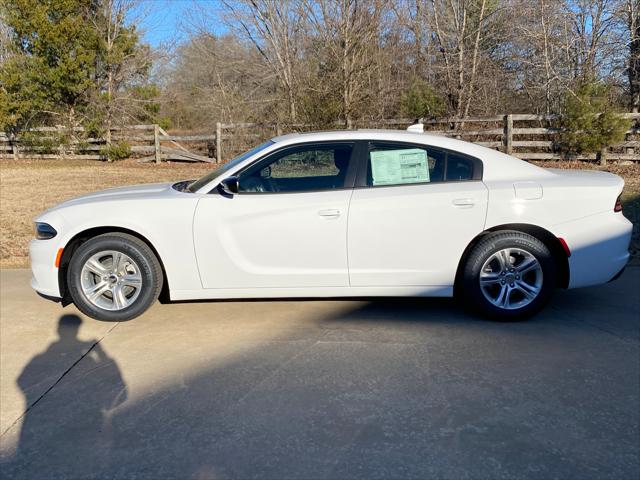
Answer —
618 205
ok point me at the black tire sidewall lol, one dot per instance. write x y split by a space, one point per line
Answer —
135 249
472 292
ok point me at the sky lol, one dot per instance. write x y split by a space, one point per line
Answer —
168 21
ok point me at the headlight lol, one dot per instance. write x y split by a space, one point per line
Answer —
44 231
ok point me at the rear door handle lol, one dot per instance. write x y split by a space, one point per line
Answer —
464 202
331 212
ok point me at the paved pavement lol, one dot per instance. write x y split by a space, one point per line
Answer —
321 389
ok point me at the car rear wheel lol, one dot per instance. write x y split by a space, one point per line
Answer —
114 277
509 275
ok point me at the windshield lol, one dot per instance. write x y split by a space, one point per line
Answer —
198 184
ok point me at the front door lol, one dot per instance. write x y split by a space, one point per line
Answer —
287 226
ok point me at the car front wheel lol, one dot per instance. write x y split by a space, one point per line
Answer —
509 275
114 277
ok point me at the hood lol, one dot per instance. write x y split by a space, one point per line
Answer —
131 192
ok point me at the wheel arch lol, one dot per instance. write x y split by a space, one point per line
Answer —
545 236
81 237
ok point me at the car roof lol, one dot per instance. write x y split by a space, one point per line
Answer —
497 165
361 133
386 135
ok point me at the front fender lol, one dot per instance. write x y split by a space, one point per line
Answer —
166 224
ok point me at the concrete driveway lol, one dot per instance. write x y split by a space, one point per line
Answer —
322 389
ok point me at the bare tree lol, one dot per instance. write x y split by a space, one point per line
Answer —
325 60
632 10
589 44
459 28
348 31
123 64
539 51
273 27
217 79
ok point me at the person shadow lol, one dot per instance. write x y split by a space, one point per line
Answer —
59 420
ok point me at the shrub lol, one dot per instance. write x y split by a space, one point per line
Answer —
116 151
590 122
421 101
43 142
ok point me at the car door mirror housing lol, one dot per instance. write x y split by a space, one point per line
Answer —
230 185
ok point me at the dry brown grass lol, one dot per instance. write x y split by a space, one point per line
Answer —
27 187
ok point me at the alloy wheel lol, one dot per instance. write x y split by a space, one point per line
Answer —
511 278
111 280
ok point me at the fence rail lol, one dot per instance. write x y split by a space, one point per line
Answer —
527 136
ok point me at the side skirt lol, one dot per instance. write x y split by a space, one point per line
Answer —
311 292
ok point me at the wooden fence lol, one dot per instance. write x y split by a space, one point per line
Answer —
141 140
530 137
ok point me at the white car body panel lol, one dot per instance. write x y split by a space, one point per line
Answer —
399 241
157 212
389 246
247 241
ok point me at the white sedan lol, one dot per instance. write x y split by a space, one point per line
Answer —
339 214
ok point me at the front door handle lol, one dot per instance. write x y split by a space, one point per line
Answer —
464 202
331 212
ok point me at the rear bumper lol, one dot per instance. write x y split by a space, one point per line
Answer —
599 247
42 255
619 274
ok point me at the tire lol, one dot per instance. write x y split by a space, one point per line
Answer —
508 275
114 277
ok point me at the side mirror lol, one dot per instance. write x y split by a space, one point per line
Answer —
230 185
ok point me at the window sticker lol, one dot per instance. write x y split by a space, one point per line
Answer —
393 167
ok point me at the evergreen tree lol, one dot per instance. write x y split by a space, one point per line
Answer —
53 63
72 62
590 121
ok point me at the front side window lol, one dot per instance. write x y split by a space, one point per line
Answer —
299 169
400 164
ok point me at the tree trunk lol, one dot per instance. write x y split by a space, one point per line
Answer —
634 56
293 113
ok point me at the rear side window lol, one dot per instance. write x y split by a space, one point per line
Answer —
458 168
400 164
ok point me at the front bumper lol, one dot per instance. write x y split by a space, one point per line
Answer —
42 255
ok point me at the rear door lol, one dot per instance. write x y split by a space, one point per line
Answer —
413 212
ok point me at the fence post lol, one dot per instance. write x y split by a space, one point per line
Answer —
14 146
156 142
507 136
603 156
218 142
278 130
635 127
